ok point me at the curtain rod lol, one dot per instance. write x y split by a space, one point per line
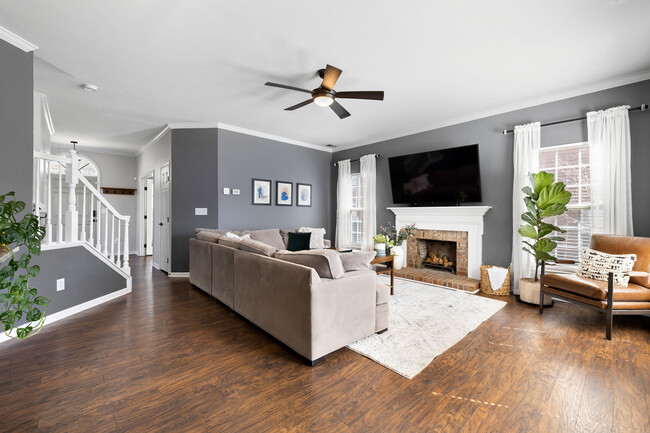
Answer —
642 107
376 155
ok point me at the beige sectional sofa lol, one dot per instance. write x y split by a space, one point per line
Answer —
310 314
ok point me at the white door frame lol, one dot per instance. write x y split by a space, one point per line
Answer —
165 265
142 182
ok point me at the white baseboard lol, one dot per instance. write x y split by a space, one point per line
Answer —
51 318
155 265
178 275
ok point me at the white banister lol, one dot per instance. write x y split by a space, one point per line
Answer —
45 165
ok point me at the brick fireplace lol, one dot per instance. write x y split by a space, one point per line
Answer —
438 249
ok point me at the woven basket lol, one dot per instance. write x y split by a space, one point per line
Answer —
487 288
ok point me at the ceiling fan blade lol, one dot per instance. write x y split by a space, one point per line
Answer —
302 104
339 110
330 77
375 96
284 86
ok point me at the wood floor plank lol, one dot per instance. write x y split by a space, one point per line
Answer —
169 358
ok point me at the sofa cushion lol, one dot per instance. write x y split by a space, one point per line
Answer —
326 263
597 265
357 260
285 236
595 289
299 241
230 242
257 247
383 293
317 240
217 231
270 237
208 236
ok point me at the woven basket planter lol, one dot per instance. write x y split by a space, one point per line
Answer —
486 287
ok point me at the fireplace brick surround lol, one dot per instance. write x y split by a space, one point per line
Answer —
414 259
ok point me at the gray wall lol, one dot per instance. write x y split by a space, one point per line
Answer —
16 121
244 157
496 158
194 184
86 277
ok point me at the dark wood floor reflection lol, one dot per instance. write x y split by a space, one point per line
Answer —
167 358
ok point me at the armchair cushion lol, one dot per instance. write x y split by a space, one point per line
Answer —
613 244
595 289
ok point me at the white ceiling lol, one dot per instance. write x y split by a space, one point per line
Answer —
439 62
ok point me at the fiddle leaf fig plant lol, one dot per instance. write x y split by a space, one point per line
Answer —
17 299
544 198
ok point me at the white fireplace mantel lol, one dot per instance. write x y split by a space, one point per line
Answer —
454 218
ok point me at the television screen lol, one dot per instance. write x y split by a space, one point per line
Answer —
446 176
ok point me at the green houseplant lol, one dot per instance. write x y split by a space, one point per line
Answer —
545 198
398 237
17 299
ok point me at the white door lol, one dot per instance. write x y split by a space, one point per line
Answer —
148 217
165 238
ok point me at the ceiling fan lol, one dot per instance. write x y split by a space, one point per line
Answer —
325 95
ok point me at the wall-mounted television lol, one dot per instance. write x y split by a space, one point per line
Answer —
437 177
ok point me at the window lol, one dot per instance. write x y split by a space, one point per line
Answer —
356 214
570 165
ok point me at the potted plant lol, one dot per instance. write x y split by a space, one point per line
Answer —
382 244
399 237
17 299
544 199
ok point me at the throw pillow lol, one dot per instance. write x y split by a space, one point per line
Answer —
257 247
208 236
217 231
230 242
285 236
326 263
298 241
357 260
269 237
238 237
597 265
317 237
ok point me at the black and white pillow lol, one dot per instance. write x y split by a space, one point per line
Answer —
598 265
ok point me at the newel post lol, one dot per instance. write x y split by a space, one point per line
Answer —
125 266
71 213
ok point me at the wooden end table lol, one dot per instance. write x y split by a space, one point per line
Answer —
390 269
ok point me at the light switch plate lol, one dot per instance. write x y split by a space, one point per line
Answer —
60 284
226 191
235 192
200 211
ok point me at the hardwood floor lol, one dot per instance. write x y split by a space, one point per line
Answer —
168 358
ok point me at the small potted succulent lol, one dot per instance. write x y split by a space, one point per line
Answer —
382 244
544 199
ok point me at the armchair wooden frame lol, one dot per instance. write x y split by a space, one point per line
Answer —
609 311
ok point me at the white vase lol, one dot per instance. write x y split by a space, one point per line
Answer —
529 292
380 249
398 256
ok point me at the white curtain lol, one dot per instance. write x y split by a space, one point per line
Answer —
611 183
526 161
344 205
369 197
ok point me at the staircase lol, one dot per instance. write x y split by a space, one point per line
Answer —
74 213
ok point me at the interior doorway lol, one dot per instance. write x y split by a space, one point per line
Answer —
148 198
165 219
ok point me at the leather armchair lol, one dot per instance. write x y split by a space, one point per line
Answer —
605 296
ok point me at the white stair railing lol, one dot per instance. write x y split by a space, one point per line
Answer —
56 179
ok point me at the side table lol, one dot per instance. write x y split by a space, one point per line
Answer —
388 261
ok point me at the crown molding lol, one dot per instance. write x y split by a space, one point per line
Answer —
529 103
158 136
233 128
16 40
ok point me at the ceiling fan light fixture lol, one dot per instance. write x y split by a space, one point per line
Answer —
323 100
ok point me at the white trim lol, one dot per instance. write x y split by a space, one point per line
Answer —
86 245
54 317
46 114
155 265
178 275
142 182
16 40
153 140
553 147
529 103
233 128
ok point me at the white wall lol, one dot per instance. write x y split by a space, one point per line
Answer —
153 157
119 172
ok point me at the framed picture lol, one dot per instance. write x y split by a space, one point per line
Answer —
262 192
283 193
303 194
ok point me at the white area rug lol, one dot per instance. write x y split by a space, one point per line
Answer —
424 321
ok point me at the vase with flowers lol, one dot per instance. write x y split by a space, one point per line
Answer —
398 237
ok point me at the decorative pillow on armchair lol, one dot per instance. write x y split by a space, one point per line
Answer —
597 265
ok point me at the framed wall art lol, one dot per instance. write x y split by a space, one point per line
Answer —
262 192
283 193
303 194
